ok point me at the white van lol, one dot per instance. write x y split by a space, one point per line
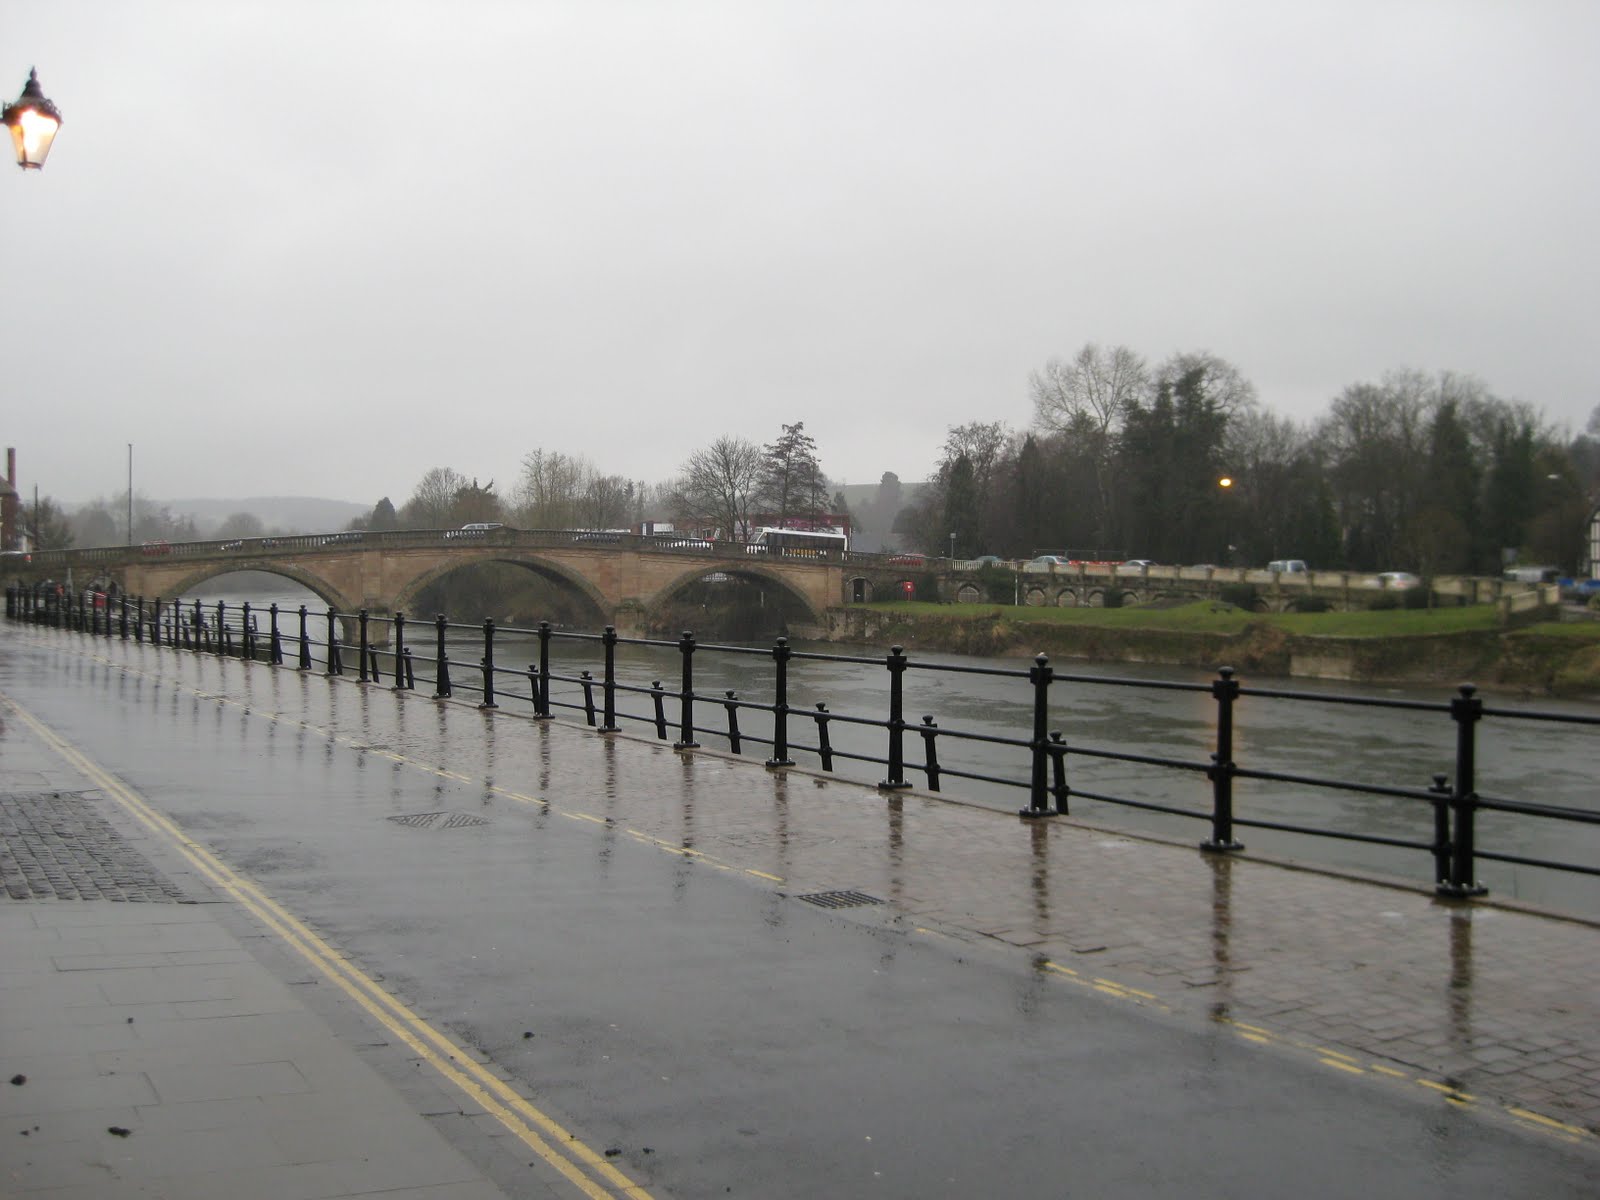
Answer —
1287 566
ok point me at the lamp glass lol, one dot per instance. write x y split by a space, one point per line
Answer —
32 133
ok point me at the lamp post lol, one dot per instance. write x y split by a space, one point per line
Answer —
952 546
1226 484
130 493
33 122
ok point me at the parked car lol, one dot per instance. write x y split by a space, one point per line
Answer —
1398 579
982 561
1045 563
1140 564
159 546
1288 566
908 560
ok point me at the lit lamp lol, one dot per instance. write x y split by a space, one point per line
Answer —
1226 484
33 122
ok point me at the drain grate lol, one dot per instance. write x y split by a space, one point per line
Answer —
438 820
840 899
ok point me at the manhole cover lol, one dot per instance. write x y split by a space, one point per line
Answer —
438 820
840 899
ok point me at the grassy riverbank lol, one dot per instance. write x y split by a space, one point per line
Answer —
1442 645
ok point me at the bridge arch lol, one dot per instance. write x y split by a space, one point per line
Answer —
752 570
406 597
310 580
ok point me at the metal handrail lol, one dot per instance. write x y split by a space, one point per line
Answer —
1041 756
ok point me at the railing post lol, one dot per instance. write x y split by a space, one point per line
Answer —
200 628
488 664
586 682
361 622
896 662
930 751
541 701
1466 710
411 673
686 694
224 641
1058 762
138 619
335 659
608 686
658 701
1225 690
731 703
247 641
122 602
441 672
155 622
305 642
824 747
1440 791
399 651
1040 675
274 637
780 705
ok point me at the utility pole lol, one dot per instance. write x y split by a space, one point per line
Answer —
130 493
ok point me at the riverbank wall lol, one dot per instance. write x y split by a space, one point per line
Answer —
1524 659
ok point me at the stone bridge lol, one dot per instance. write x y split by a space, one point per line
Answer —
629 580
620 579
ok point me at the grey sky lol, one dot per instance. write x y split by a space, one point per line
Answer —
319 248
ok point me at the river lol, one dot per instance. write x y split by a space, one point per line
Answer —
1521 760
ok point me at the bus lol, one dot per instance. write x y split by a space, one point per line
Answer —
797 543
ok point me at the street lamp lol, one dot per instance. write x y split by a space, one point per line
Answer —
33 122
952 546
1226 484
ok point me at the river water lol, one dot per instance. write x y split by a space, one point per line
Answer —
1547 763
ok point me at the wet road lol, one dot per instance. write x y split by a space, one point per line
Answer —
724 1036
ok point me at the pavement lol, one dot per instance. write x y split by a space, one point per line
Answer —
139 996
146 1051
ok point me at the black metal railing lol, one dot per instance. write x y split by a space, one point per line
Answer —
1038 760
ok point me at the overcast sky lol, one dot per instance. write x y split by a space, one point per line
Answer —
319 248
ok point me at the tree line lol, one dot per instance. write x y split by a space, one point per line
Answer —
1122 458
1180 463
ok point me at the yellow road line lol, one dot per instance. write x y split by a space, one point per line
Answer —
451 1060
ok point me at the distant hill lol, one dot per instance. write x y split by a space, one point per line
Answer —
291 514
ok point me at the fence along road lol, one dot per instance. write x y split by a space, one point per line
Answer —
1451 790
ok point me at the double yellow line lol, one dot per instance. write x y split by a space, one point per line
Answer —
590 1172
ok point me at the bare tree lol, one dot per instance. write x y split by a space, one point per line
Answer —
1089 394
609 502
240 525
1220 382
1086 401
48 526
433 502
550 494
718 487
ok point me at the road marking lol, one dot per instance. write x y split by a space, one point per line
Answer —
449 1059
